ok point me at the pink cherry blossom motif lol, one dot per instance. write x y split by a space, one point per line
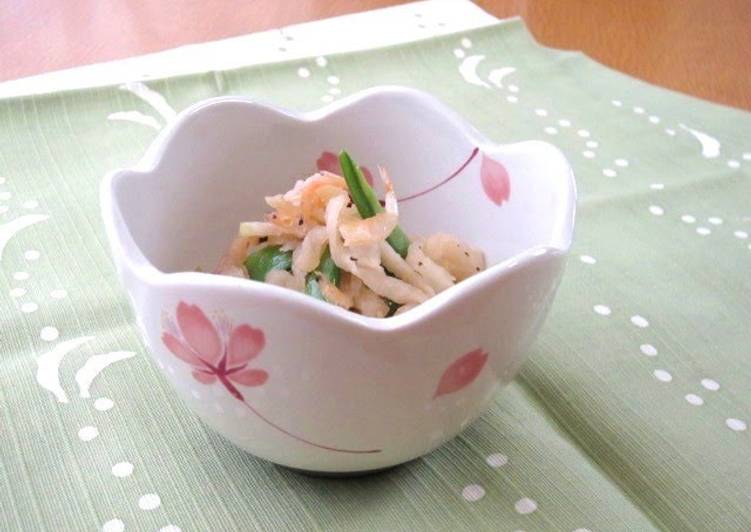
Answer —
329 162
212 357
462 372
221 353
495 180
367 175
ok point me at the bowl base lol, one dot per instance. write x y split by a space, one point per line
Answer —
339 474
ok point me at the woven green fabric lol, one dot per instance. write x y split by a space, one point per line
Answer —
629 415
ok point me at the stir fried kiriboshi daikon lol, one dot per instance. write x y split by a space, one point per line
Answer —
331 238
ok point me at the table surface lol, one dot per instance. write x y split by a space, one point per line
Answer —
699 47
630 412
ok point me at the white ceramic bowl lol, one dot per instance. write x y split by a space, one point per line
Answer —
307 384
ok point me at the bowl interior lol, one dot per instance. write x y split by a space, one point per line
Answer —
220 159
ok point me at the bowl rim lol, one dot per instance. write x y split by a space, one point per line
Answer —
124 247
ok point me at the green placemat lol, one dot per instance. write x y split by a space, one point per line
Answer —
630 414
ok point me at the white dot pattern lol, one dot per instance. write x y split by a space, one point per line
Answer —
602 310
473 492
736 424
639 321
113 525
58 293
149 501
710 384
648 349
103 404
586 259
693 399
525 506
662 375
122 469
656 210
29 307
88 433
497 460
49 334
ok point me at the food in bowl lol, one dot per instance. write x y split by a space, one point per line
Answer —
331 238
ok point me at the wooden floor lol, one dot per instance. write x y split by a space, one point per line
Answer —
701 47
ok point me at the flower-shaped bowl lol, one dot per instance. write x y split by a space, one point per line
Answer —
295 380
